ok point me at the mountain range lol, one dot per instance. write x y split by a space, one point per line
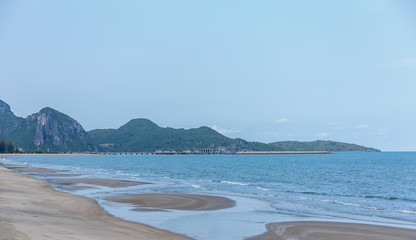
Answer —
51 130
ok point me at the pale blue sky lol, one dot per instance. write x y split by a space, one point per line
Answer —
260 70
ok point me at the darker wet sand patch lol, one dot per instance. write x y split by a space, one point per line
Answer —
139 209
34 170
175 201
101 182
58 175
333 230
10 166
74 188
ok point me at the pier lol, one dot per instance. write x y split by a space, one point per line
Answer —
172 152
212 151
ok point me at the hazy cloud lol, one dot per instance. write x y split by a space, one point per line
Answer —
271 133
225 131
323 134
383 131
362 126
402 62
282 120
378 6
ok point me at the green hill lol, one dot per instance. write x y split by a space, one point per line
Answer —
54 131
142 135
319 145
46 130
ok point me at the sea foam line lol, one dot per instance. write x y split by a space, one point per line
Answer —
354 205
235 183
263 189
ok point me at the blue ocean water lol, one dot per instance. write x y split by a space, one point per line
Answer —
377 188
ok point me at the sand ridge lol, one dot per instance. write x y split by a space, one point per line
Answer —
101 182
34 170
58 175
191 202
333 231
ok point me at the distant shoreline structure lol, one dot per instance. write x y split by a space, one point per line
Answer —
281 152
177 153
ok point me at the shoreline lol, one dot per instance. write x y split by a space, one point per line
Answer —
33 209
43 154
33 190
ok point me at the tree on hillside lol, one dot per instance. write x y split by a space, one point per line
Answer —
7 147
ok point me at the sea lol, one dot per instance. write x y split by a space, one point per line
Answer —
373 188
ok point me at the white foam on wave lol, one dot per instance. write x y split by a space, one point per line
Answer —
354 205
122 173
406 211
205 180
8 161
197 187
280 230
235 183
263 189
194 185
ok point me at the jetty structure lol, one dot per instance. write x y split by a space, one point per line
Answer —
213 151
171 152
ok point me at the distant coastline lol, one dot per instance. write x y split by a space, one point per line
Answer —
52 131
281 152
168 153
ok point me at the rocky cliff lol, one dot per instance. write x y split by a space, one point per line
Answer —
46 130
4 107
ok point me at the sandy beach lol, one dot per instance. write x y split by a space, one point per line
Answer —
333 231
32 209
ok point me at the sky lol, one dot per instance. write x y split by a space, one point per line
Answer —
259 70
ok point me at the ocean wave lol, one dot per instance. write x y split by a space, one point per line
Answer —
235 183
197 187
315 193
404 211
354 205
376 208
206 181
393 198
194 185
263 189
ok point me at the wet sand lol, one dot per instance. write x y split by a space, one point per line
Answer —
100 182
34 170
58 175
333 231
31 209
75 188
191 202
